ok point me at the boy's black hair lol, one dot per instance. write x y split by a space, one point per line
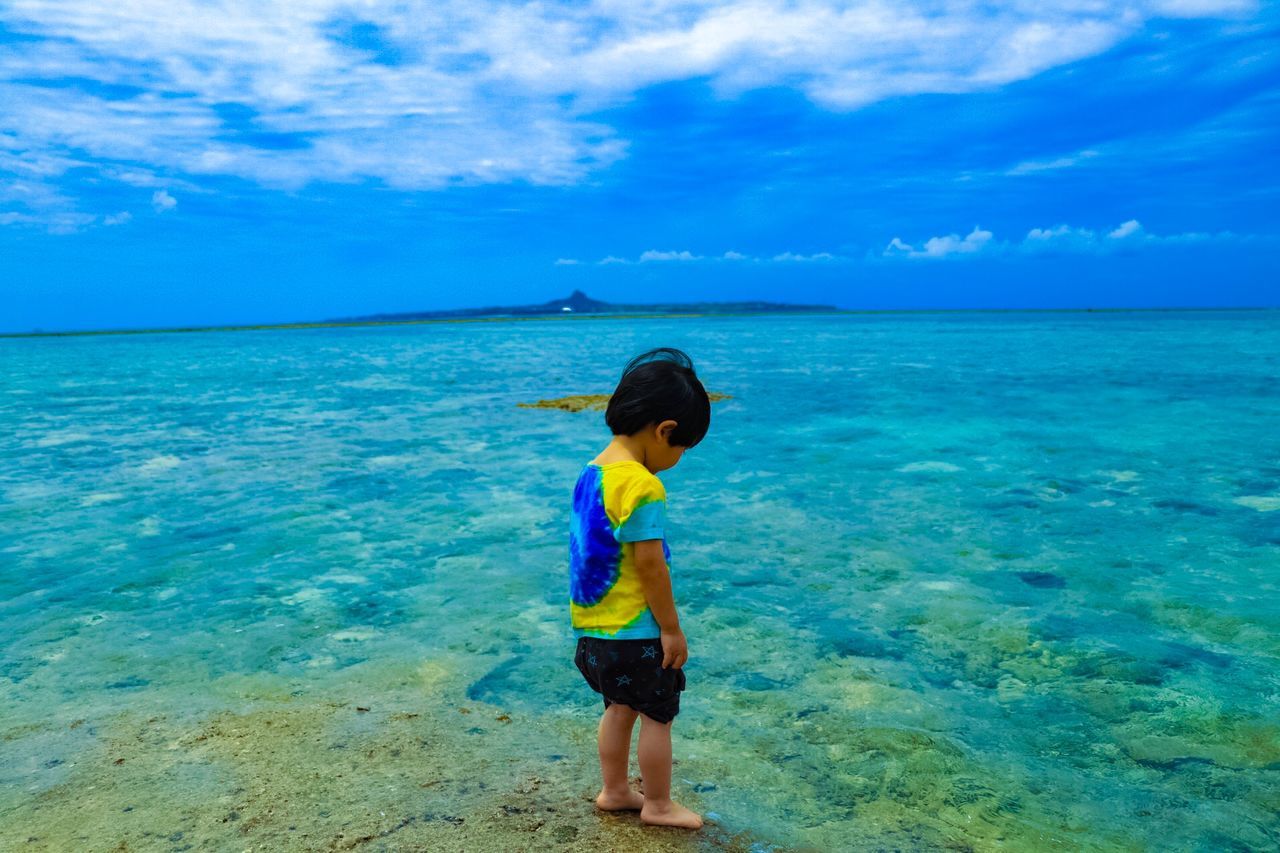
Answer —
656 386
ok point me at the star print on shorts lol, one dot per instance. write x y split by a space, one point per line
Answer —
628 672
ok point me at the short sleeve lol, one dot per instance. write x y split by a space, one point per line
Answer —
648 516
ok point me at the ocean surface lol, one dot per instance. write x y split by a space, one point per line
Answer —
950 581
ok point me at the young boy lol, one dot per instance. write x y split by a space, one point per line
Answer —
631 649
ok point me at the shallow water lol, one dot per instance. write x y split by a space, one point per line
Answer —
949 580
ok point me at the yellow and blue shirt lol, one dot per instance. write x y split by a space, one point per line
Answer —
614 505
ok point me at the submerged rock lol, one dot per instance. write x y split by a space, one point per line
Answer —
757 681
503 682
1042 580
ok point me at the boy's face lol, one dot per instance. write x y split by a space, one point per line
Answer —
662 454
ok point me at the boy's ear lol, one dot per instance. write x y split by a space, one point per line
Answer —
665 429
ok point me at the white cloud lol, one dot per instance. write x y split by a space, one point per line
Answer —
1126 229
117 218
974 241
1058 232
1200 8
566 262
790 257
1128 234
1057 239
654 255
162 201
1052 239
940 247
478 91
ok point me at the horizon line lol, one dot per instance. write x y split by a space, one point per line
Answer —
322 324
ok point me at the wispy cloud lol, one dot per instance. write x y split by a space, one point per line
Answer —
791 257
653 255
466 91
1028 167
1126 235
57 222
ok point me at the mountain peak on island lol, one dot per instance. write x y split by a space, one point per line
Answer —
579 301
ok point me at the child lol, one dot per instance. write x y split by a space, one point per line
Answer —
630 645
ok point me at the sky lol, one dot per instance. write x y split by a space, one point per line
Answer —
171 162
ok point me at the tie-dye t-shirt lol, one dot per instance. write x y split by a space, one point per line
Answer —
614 505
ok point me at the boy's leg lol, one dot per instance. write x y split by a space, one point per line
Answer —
615 752
655 770
655 759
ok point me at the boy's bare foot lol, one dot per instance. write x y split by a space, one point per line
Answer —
613 803
669 813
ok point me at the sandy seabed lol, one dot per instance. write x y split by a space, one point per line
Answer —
303 770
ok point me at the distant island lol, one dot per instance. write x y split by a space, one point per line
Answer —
580 306
579 303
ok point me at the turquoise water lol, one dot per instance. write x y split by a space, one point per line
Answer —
949 581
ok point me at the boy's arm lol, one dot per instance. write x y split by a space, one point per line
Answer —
655 578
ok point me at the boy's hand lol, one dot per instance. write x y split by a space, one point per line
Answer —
675 650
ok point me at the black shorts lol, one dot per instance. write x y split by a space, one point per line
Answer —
629 672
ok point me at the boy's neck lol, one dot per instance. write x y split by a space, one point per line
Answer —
622 449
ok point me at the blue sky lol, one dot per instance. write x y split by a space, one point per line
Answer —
169 162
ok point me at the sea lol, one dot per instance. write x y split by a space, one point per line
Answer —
950 581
